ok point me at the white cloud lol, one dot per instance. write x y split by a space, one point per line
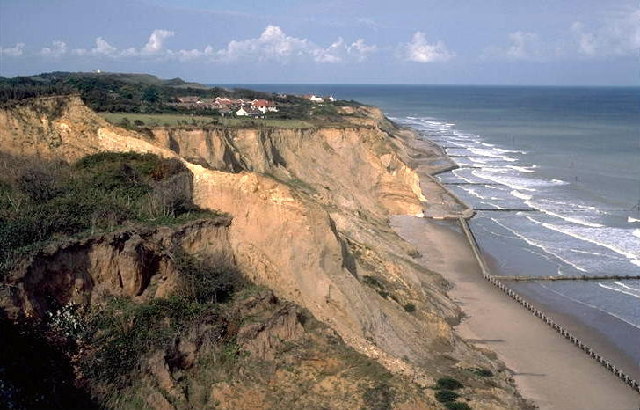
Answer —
361 50
526 46
273 44
332 54
12 51
420 51
340 51
617 35
102 48
155 45
57 49
523 45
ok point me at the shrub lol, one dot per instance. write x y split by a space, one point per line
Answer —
211 280
379 397
445 396
482 372
410 307
101 191
124 123
448 383
124 332
457 405
38 185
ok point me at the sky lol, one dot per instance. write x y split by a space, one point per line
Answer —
510 42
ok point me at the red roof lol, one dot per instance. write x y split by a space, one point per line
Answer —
262 103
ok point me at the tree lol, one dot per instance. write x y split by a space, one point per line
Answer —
151 95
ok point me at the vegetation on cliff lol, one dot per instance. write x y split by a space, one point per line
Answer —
216 339
139 312
44 201
137 94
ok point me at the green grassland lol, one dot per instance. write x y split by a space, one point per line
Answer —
188 120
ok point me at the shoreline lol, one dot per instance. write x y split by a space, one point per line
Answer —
591 336
547 369
488 274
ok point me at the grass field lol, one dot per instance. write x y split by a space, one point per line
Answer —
186 120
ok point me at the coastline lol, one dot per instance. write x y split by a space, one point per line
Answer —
563 312
547 369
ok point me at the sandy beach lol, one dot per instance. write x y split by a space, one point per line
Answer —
547 369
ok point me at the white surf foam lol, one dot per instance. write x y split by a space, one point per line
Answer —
545 247
591 306
522 169
620 289
567 218
520 195
614 239
492 153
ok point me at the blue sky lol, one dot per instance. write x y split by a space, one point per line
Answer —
555 42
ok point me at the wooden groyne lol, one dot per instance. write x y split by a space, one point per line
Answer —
507 209
495 280
473 183
517 278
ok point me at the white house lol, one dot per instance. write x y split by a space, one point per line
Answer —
248 111
264 106
314 98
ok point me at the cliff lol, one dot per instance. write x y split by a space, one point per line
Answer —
309 211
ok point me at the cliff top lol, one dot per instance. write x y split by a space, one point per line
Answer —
133 100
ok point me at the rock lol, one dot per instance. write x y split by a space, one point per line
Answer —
263 339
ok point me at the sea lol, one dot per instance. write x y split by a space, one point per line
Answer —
554 173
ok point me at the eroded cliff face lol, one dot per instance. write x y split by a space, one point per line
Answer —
309 209
352 168
135 263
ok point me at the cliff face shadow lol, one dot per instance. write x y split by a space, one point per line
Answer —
485 340
529 374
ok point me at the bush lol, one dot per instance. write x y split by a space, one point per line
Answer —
38 185
482 372
208 280
379 397
457 405
410 307
448 383
124 123
445 396
101 191
124 332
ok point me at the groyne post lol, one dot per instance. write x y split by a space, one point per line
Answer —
538 313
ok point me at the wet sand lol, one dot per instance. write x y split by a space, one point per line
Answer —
548 369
